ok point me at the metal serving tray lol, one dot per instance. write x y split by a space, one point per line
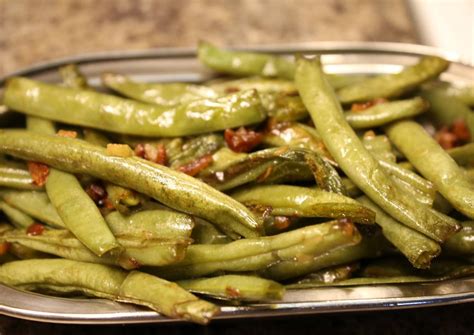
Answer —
182 65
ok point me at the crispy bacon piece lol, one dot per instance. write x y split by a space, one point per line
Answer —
359 107
154 153
67 133
242 140
96 192
35 229
196 166
39 172
282 222
232 292
4 247
455 135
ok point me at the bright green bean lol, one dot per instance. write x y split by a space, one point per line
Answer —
16 217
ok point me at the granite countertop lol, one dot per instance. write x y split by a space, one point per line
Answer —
39 30
34 31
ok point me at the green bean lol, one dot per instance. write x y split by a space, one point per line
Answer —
196 148
295 201
464 94
257 254
22 252
72 77
418 248
107 112
241 63
463 155
272 166
394 85
387 112
122 198
461 243
172 188
35 204
434 164
63 276
261 84
165 297
235 287
205 233
445 110
79 212
151 224
244 63
165 94
325 276
368 247
95 137
60 242
74 206
16 217
380 147
17 180
297 135
347 150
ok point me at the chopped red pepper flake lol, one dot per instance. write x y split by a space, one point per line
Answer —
196 166
461 131
35 229
359 107
242 140
39 172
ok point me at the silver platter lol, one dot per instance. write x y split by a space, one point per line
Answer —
181 65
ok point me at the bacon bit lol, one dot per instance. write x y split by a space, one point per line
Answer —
67 133
242 140
96 192
456 135
460 130
232 292
282 222
4 247
154 153
196 166
39 172
369 134
35 229
107 204
229 90
359 107
119 150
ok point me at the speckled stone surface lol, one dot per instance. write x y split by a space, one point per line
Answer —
39 30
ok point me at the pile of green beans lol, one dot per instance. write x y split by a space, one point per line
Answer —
276 176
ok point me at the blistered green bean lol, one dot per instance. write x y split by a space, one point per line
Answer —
111 113
295 201
387 112
172 188
434 164
348 151
394 85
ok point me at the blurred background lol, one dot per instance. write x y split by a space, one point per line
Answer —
34 31
39 30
